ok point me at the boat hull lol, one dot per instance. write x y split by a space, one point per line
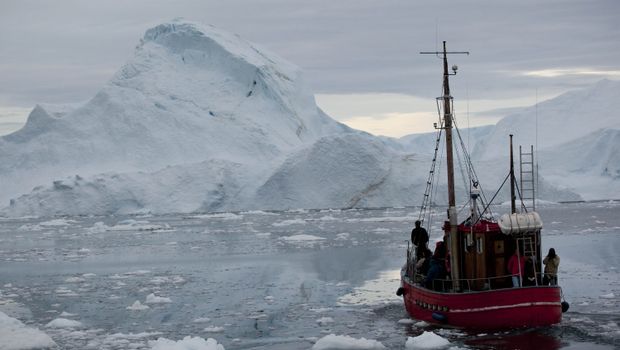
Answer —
485 310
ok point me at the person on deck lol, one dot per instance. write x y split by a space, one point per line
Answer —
424 262
516 267
437 268
529 274
551 261
419 237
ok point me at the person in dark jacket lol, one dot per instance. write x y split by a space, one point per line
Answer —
529 274
437 268
419 237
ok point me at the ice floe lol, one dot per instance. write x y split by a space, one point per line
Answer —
137 306
153 299
187 343
332 341
14 335
63 323
427 340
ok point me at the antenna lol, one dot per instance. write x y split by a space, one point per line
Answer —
536 142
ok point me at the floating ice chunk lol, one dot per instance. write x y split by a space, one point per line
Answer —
58 222
321 309
269 299
608 296
64 323
74 279
67 314
64 292
16 336
427 340
201 320
167 279
406 321
137 306
131 225
137 273
30 227
421 324
324 321
98 227
214 329
333 341
223 216
289 222
301 238
342 236
153 299
187 343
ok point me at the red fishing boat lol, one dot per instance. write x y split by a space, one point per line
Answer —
476 290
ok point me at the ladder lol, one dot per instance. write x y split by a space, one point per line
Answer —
529 244
528 179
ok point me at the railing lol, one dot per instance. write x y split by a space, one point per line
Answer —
467 284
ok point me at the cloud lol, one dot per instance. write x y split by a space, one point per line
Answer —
344 47
553 73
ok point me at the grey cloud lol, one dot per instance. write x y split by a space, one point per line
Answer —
345 46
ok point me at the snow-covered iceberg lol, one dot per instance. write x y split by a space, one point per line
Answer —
200 120
196 111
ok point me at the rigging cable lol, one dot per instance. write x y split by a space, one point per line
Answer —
472 171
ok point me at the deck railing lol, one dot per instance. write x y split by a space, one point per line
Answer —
467 284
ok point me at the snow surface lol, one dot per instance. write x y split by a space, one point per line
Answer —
14 335
200 120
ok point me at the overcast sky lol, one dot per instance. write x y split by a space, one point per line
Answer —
361 57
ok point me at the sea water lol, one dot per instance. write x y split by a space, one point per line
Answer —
275 280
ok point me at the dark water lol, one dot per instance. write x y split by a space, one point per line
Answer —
281 280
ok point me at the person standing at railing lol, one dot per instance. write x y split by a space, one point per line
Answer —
516 267
419 238
552 262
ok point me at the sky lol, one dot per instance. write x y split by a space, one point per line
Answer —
360 57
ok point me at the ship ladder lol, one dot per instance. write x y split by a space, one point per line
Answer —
528 179
529 250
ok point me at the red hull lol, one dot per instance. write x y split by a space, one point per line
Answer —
485 310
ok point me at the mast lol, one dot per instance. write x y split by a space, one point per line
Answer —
453 238
513 198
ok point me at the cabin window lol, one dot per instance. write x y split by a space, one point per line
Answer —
480 245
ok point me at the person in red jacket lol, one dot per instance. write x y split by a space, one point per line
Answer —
516 267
